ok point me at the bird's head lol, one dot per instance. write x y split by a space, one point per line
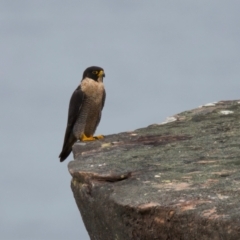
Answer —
95 73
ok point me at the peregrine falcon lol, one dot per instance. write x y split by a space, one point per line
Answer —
85 108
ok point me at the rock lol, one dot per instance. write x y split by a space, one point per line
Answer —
175 180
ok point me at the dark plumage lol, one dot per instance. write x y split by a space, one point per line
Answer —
85 109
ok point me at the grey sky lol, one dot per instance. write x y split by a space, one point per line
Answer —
160 58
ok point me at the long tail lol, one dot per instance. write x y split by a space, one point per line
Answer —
67 148
64 154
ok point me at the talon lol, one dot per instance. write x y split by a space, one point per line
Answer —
99 137
91 138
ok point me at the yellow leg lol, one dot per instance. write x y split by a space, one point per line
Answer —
91 138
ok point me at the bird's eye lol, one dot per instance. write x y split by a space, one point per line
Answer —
95 72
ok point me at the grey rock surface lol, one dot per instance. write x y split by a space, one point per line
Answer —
175 180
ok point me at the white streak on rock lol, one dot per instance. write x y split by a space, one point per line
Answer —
226 112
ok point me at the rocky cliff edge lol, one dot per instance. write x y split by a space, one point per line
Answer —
176 180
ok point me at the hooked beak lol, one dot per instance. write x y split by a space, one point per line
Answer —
101 74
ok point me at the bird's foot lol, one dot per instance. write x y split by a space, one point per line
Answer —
91 138
99 137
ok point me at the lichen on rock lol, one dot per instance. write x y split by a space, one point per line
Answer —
177 180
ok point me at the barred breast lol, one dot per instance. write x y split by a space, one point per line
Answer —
91 108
